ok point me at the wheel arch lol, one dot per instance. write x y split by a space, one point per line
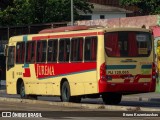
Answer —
62 81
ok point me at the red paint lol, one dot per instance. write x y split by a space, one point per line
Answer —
40 37
67 35
131 84
156 31
153 82
27 72
125 87
103 72
63 29
102 86
102 82
62 68
100 33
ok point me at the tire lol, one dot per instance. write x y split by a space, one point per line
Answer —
111 98
23 94
22 91
65 92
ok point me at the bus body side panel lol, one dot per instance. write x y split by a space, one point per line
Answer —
100 60
11 84
51 75
80 85
50 85
45 78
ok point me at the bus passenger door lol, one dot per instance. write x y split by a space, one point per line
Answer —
10 69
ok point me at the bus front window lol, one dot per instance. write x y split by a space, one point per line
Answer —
11 57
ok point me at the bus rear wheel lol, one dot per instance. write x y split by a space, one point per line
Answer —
111 98
66 94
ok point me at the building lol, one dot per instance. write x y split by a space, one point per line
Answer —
106 2
104 12
116 3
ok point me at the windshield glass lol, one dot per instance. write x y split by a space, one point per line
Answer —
128 44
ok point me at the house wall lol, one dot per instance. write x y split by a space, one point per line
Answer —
108 16
96 16
116 3
139 21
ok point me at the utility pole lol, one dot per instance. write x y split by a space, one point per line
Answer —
72 17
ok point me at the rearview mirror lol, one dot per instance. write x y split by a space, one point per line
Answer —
5 50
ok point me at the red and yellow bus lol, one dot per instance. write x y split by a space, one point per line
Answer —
81 62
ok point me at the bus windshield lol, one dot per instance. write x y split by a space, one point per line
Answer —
128 44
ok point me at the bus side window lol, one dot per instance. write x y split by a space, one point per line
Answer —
11 57
41 51
77 49
30 52
64 50
90 52
52 50
20 52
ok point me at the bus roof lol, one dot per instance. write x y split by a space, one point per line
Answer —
64 29
83 30
127 29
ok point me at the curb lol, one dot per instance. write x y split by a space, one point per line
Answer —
85 106
138 99
143 99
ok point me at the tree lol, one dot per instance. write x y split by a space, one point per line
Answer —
146 7
21 12
5 3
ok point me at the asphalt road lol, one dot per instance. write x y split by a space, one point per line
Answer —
150 100
48 112
84 118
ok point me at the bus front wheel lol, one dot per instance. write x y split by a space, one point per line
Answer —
111 98
22 91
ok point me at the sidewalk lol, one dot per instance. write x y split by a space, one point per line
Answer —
147 97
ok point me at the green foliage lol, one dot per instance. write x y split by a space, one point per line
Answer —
5 3
21 12
146 6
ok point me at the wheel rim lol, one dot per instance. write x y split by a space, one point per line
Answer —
65 94
22 91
